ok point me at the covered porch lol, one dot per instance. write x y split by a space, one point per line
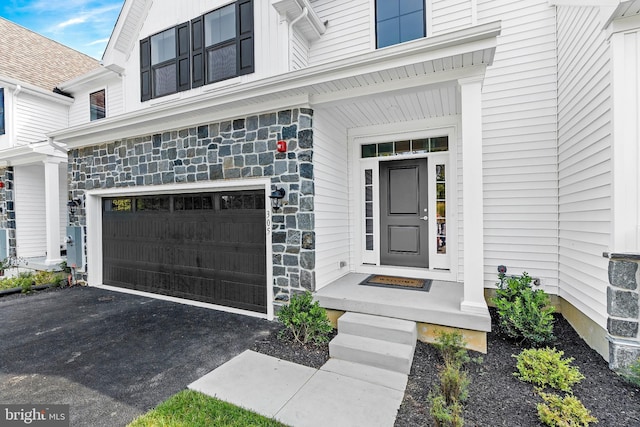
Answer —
437 309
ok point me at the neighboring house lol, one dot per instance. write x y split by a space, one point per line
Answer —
33 169
432 139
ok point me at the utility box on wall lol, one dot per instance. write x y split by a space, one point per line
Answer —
75 248
4 243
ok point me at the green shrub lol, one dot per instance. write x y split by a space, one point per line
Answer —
524 313
454 384
47 277
446 403
452 348
633 373
305 319
546 367
445 415
557 411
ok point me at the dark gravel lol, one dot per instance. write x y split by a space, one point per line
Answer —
496 397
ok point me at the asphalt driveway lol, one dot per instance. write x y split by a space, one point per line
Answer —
111 356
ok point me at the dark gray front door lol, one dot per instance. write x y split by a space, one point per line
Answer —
403 215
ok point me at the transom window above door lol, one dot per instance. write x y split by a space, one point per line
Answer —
406 147
399 21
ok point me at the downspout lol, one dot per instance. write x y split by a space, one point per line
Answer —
14 109
304 13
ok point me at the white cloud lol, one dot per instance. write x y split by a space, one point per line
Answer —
101 41
72 21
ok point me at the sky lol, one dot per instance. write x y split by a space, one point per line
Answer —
84 25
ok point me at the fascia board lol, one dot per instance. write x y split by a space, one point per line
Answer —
30 154
88 78
35 90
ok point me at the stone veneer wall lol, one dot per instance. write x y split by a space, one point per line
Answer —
623 308
237 149
8 214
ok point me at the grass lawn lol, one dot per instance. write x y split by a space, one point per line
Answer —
192 409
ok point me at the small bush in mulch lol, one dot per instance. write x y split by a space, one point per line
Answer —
567 411
305 320
633 373
546 368
525 314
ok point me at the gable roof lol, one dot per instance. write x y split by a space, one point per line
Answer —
31 58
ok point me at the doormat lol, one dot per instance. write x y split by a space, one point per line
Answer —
397 282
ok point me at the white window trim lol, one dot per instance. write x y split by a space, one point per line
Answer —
372 22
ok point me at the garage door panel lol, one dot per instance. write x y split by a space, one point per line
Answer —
215 253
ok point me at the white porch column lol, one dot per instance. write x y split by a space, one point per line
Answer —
52 209
625 56
472 204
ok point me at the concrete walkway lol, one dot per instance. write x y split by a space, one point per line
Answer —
340 393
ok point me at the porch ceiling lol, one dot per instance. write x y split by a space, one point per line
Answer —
413 80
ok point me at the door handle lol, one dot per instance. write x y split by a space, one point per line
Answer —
423 218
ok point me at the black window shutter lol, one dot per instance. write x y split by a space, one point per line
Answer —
145 69
183 46
245 60
197 52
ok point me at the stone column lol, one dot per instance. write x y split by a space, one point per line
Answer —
623 309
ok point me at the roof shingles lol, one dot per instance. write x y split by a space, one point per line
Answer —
31 58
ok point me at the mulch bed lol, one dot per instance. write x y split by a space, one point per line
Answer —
496 397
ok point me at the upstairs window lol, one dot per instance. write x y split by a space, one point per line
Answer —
2 111
398 21
213 47
164 63
97 106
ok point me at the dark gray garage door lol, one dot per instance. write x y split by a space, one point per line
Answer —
204 247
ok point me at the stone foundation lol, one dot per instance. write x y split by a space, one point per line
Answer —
623 308
238 149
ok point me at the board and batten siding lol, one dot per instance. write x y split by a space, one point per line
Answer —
584 158
348 31
450 15
299 51
36 116
30 211
31 227
519 143
330 166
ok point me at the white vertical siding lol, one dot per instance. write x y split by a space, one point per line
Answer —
348 33
299 51
450 15
519 137
30 211
584 156
36 116
330 164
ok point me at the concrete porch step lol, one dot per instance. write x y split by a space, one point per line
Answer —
388 355
378 327
384 377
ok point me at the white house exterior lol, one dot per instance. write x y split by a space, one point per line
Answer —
33 171
501 128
